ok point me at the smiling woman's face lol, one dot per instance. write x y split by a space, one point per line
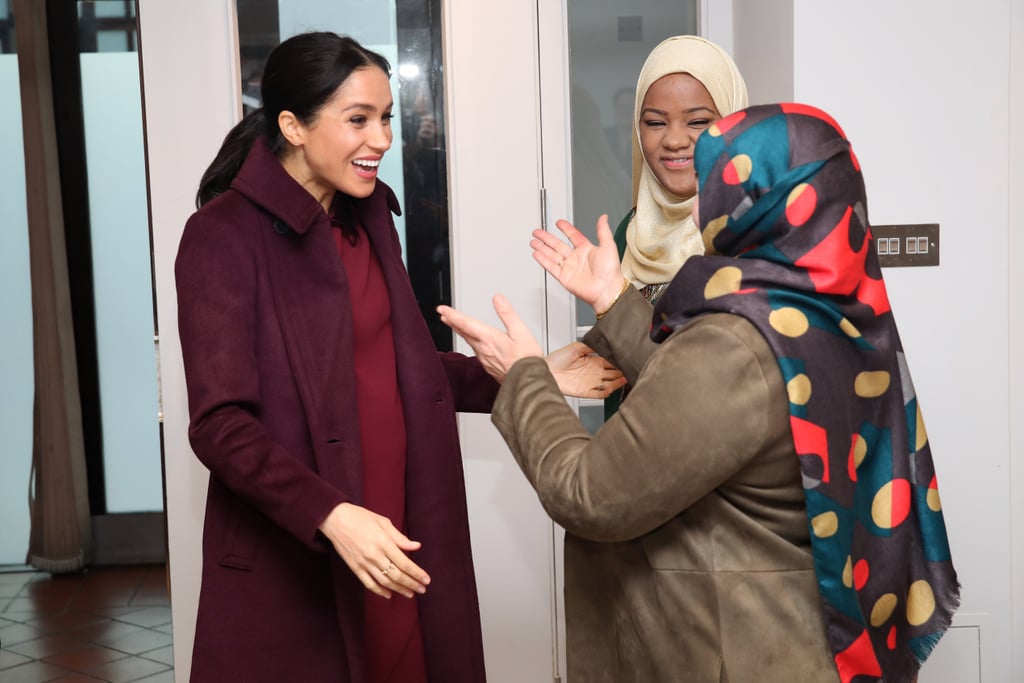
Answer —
676 110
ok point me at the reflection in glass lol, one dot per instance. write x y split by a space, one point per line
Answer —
608 43
408 33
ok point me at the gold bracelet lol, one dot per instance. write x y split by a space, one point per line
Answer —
601 314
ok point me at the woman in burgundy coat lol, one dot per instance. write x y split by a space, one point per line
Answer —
318 401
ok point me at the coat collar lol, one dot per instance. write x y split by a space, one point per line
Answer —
264 182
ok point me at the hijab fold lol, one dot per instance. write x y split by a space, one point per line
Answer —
662 234
789 248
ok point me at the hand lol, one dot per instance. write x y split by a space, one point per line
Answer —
583 374
589 272
374 550
497 351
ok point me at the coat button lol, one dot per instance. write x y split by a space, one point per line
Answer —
280 227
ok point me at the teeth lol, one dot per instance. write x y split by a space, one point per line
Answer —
367 163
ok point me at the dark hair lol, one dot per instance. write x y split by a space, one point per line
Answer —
300 76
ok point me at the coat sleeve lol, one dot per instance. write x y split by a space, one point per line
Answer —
216 281
474 390
630 346
698 414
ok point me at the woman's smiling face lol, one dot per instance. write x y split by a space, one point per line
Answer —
341 150
676 109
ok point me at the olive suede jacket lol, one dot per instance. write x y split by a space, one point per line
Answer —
687 551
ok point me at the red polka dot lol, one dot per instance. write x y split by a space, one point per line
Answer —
860 574
900 501
726 124
807 110
891 640
801 205
851 460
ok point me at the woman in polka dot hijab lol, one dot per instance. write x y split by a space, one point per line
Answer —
784 220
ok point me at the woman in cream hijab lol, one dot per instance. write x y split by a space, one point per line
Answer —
685 85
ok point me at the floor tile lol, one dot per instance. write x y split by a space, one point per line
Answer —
33 672
85 657
9 659
147 616
135 643
163 677
100 625
45 646
165 655
103 630
65 621
127 669
18 633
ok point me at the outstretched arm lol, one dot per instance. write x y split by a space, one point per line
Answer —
576 369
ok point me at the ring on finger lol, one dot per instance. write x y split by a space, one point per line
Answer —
387 569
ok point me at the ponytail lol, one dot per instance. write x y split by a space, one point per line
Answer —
225 166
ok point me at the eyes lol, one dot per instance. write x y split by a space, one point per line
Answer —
360 120
696 124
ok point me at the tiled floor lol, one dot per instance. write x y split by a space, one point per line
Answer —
105 624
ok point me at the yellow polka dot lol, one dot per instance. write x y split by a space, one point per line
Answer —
848 329
881 507
825 524
726 280
799 389
883 609
920 603
871 384
714 131
922 433
711 230
742 164
934 504
848 573
789 321
860 450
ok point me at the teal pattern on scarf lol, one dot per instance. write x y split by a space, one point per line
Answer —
784 218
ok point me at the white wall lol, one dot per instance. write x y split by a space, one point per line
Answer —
191 99
922 90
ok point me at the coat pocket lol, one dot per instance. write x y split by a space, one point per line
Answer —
239 541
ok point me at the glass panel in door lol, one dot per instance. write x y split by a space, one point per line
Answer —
608 43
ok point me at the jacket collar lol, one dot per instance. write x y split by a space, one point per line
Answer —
264 182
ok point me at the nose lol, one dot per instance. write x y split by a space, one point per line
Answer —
379 139
677 137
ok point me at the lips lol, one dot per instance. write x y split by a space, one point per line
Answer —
366 168
677 163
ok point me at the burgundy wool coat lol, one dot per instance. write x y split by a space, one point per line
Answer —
266 335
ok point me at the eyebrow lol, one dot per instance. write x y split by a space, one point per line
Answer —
686 111
371 107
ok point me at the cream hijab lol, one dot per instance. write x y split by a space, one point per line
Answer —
662 234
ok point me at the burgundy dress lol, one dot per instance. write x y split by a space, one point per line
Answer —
394 646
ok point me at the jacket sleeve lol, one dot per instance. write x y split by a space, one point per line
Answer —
216 281
630 346
474 390
697 415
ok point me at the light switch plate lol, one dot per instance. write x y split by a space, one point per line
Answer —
907 245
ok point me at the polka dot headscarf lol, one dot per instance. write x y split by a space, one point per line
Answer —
784 221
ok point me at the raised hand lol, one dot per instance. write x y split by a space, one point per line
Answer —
588 271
